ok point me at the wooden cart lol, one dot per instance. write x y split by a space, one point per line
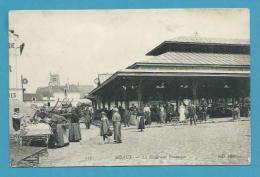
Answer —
26 156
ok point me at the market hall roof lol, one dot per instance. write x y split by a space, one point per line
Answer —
205 40
185 56
202 45
217 65
188 58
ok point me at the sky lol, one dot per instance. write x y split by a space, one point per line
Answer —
78 45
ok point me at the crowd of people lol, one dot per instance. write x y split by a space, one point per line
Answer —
163 113
70 118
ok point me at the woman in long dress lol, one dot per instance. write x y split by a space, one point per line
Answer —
59 130
162 114
141 121
104 127
133 115
182 113
74 128
236 111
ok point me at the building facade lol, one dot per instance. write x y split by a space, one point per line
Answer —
15 50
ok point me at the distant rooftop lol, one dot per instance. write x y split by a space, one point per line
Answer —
32 96
104 76
48 91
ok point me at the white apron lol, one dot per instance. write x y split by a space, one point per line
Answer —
182 113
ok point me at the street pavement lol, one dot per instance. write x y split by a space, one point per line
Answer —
217 142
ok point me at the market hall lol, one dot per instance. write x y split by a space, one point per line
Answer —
192 68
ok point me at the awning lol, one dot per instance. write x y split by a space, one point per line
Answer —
172 73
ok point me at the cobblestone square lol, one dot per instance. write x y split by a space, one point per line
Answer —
219 143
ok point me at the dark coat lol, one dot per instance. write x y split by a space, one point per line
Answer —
126 115
74 128
204 106
141 121
74 118
192 110
87 116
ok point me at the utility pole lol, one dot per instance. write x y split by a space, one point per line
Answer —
22 87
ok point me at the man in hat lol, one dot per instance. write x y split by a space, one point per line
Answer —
126 117
147 115
116 119
87 117
204 107
192 113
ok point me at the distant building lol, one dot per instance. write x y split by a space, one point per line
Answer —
32 97
102 77
36 99
55 91
54 80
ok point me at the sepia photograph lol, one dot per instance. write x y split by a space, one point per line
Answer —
129 87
